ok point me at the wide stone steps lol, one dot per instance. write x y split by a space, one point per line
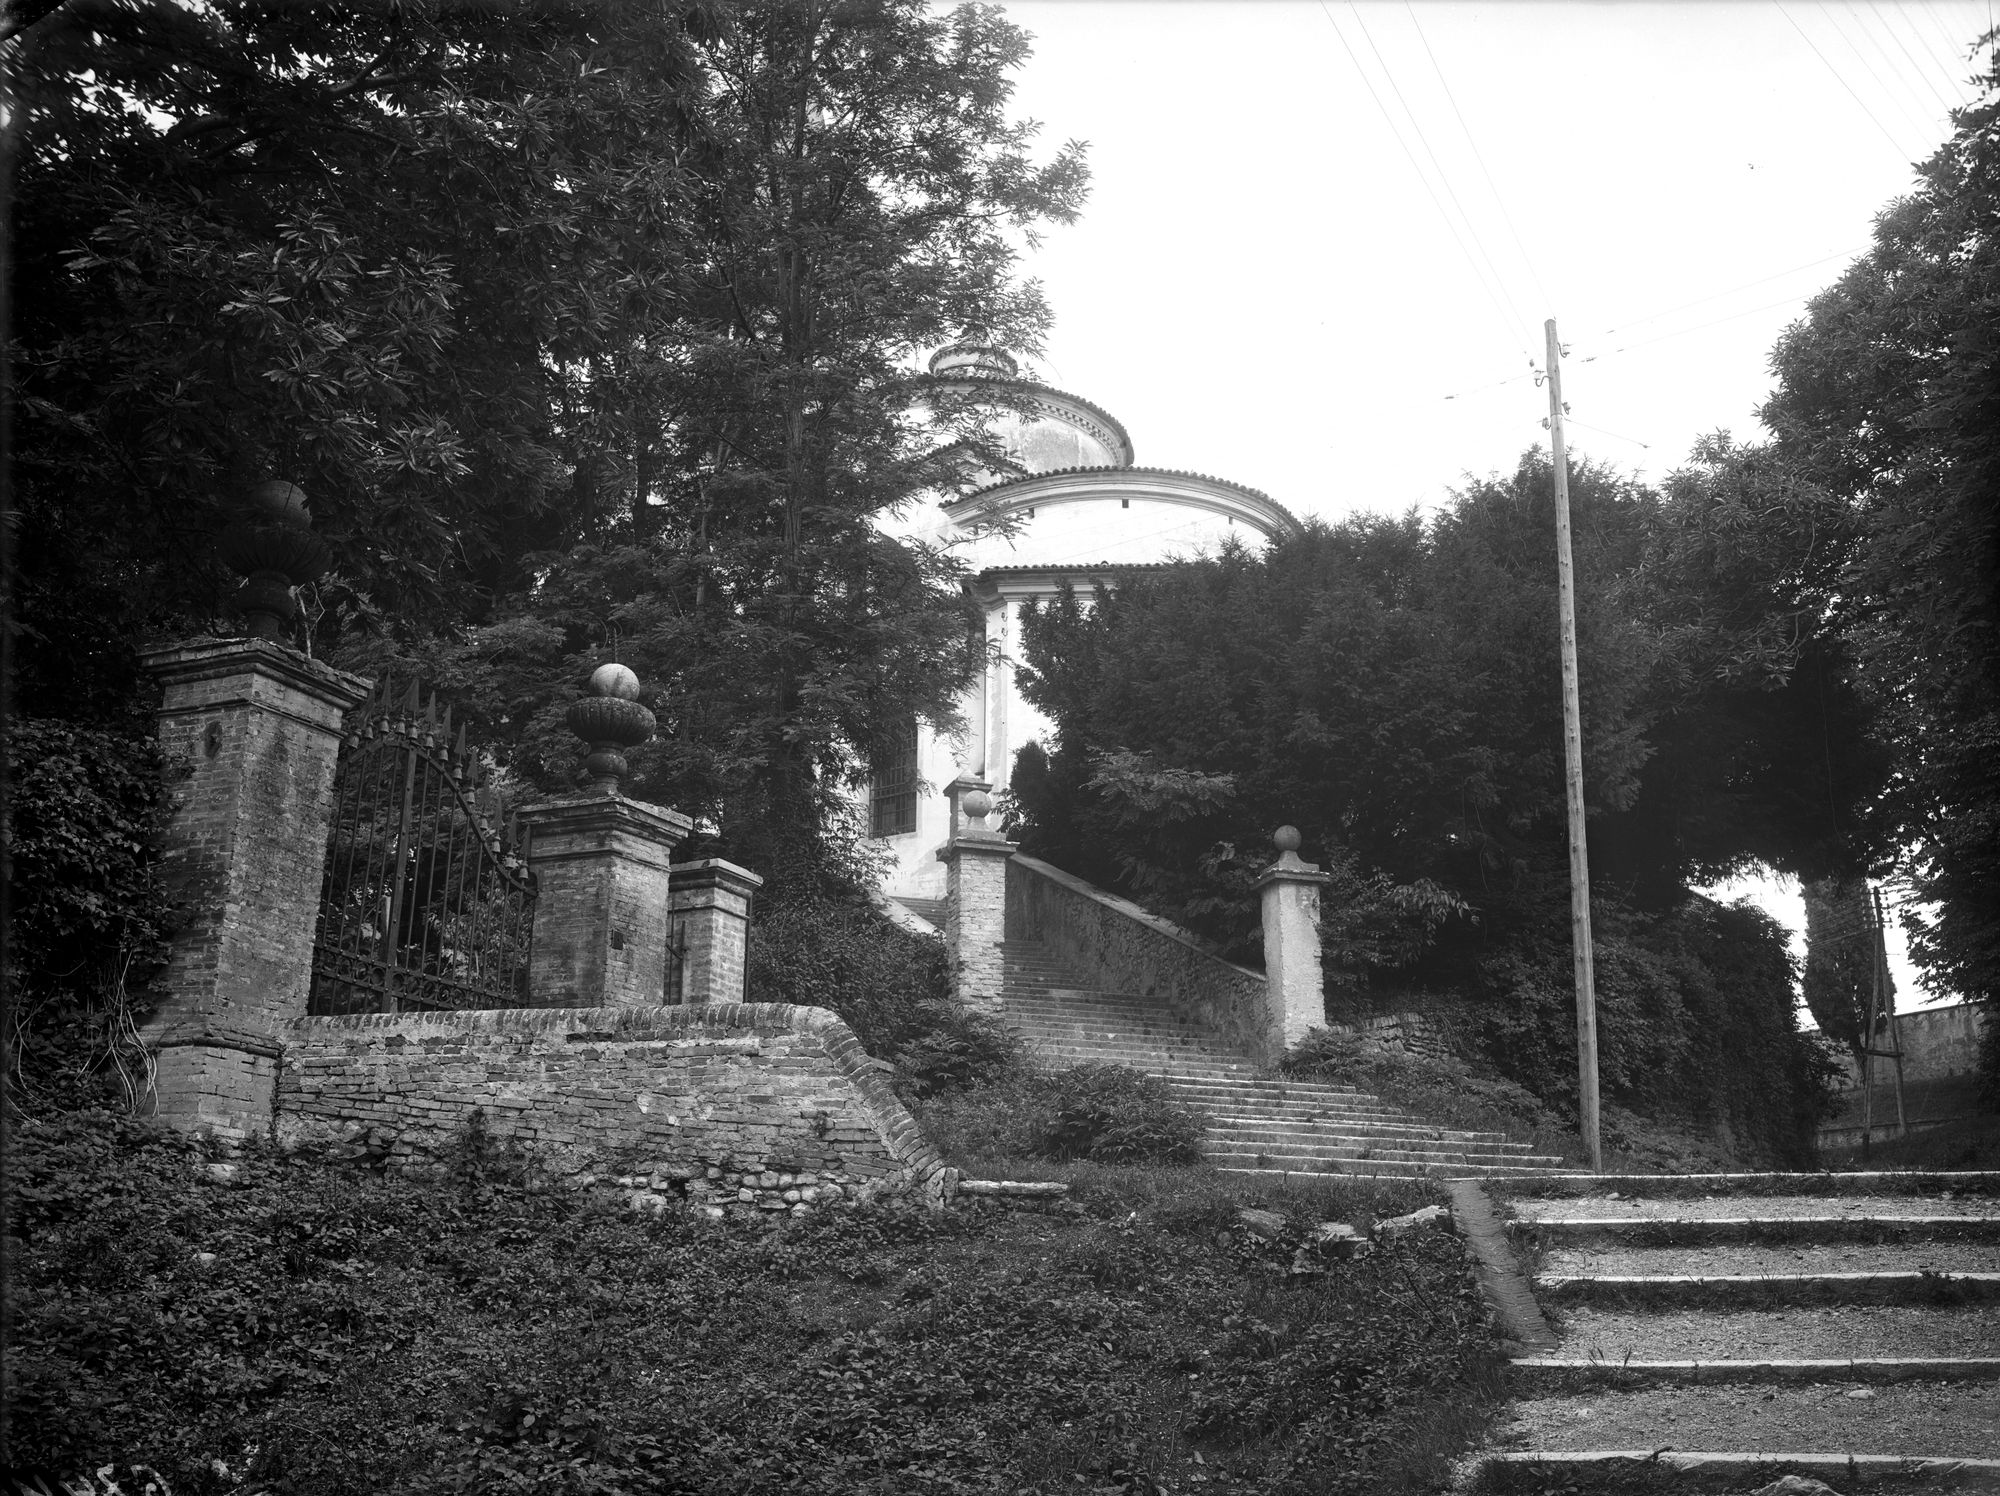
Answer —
1257 1123
1865 1310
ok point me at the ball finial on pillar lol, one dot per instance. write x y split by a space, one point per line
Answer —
1286 838
610 719
270 544
977 805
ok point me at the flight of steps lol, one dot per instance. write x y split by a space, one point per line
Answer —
1256 1124
1844 1327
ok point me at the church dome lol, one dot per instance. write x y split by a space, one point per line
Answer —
973 361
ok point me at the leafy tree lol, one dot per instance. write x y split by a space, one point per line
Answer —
856 197
1888 398
1391 688
585 326
1840 959
375 251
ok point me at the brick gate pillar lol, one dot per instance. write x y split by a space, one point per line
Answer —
245 855
1290 889
600 863
975 902
711 913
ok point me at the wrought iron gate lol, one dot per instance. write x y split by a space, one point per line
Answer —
427 901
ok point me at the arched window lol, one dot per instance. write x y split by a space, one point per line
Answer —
892 807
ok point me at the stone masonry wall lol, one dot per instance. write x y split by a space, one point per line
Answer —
1115 945
1400 1033
743 1108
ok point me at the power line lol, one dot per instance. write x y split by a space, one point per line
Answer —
1894 96
1923 77
1443 175
1731 291
1477 155
1698 327
1572 420
1410 155
1843 83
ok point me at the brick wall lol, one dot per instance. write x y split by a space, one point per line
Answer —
749 1108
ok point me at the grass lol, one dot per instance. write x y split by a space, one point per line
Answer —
491 1335
1964 1143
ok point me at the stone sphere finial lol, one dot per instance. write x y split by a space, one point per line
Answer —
1286 838
270 545
610 720
976 804
614 680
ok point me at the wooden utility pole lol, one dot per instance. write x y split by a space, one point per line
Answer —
1579 860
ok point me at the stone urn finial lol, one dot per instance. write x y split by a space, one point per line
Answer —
270 544
610 719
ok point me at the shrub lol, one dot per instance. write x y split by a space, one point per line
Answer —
1099 1113
89 920
891 986
1113 1115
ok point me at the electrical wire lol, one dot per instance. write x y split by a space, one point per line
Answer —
1698 327
1473 141
1893 95
1923 77
1436 201
1846 254
1443 175
1573 421
1859 101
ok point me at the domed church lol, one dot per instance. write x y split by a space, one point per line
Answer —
1069 507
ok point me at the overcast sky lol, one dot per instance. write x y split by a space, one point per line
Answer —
1322 239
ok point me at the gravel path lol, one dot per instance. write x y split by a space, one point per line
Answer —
1905 1418
1762 1207
1940 1256
1849 1330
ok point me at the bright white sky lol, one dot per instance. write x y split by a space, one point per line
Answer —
1312 224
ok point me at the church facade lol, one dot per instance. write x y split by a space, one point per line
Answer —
1071 508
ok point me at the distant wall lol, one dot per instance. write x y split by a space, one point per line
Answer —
740 1107
1940 1078
1118 947
1417 1034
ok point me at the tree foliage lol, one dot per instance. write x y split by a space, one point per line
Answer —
587 327
1888 399
1390 686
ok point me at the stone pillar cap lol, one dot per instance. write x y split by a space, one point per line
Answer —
1290 867
716 871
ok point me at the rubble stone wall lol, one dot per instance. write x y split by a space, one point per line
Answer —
740 1108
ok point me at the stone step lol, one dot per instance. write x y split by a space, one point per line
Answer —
1113 1029
1295 1159
1383 1169
1253 1127
1297 1155
1754 1227
1284 1091
1256 1109
1918 1287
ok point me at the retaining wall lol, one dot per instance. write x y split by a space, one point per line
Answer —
727 1107
1118 947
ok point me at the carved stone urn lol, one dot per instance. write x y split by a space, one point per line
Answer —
610 720
272 547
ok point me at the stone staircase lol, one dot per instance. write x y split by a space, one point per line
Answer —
1844 1327
1256 1124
